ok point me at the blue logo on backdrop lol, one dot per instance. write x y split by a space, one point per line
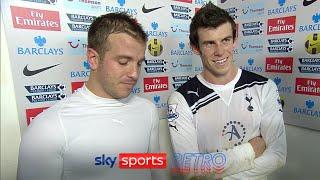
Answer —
251 46
282 9
81 74
281 88
154 32
315 26
121 8
251 11
136 90
51 2
42 88
182 51
179 29
201 2
181 65
251 67
41 49
159 104
308 110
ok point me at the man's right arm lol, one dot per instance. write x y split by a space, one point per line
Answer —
41 149
184 140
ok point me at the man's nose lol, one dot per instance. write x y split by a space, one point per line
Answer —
134 72
218 50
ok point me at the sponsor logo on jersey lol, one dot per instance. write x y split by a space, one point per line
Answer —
307 86
32 113
121 8
234 132
281 25
36 19
279 64
310 109
152 84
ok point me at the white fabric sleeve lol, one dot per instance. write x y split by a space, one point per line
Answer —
41 149
273 132
184 140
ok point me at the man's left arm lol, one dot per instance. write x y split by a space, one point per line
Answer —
272 130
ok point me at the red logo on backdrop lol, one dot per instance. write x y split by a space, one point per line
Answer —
279 64
186 1
155 84
32 113
27 18
282 25
76 85
142 160
308 86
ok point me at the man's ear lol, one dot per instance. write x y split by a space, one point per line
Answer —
235 42
195 49
93 58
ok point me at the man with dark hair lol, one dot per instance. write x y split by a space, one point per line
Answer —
231 116
81 136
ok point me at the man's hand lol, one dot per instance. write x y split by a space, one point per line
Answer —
258 145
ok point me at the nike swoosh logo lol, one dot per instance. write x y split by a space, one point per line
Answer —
145 10
307 3
28 72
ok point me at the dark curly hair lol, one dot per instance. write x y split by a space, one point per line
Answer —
209 16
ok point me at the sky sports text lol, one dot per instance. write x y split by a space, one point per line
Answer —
133 160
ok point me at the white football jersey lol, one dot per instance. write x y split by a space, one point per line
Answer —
209 118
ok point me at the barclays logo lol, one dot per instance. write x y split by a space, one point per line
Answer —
311 27
131 11
251 67
154 32
40 42
281 88
308 110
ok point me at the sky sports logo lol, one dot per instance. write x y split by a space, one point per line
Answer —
281 25
133 160
27 18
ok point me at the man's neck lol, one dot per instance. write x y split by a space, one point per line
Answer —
220 80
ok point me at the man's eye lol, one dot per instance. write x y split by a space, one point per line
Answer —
123 62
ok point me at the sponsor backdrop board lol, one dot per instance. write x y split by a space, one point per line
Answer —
281 40
47 44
